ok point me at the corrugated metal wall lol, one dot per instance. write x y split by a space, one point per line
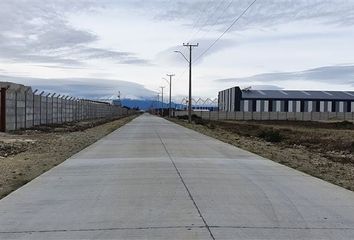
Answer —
227 103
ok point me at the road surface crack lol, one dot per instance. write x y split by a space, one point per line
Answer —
186 187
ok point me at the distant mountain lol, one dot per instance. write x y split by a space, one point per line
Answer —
146 104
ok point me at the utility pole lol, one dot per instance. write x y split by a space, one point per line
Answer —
162 100
190 46
157 104
170 83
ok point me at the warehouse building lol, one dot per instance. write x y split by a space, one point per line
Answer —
248 100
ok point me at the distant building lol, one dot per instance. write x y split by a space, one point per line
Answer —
248 100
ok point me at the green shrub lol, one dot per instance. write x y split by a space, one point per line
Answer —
270 136
211 125
352 147
344 124
184 117
199 121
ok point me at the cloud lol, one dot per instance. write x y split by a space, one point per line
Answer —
90 88
89 53
329 74
169 56
38 32
265 13
266 87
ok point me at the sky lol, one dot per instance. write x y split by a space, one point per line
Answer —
95 49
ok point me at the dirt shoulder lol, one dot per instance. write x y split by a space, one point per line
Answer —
323 150
24 155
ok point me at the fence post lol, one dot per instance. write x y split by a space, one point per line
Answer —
3 110
80 109
66 108
40 108
58 108
46 109
52 97
77 110
25 125
70 109
15 110
61 109
33 101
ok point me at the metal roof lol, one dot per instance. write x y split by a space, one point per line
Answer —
284 94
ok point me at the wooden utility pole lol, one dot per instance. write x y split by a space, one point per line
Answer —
170 83
190 46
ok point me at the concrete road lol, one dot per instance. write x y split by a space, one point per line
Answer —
153 179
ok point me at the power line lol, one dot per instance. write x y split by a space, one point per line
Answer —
218 18
209 4
232 24
200 16
181 75
207 20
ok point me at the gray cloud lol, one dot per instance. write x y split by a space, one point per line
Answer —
214 16
266 87
37 31
86 53
91 88
328 74
263 13
169 56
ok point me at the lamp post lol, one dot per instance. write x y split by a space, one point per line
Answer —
190 46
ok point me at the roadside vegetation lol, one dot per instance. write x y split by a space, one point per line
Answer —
321 149
26 154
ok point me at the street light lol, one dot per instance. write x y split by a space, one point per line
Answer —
182 55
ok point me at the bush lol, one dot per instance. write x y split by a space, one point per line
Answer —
184 117
352 147
271 136
211 125
195 118
199 121
344 124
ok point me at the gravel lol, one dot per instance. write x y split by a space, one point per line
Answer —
323 150
24 155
